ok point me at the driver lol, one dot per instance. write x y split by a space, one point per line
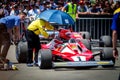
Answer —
64 34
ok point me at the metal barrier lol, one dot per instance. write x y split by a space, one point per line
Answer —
95 25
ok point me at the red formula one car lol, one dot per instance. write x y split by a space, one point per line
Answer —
74 52
73 49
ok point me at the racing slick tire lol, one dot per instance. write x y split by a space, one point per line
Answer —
86 43
105 41
45 59
106 55
21 52
85 35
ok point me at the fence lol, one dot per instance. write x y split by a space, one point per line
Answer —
96 25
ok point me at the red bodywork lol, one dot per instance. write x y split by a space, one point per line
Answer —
69 51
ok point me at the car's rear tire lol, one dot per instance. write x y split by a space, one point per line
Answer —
106 55
85 35
105 41
86 42
21 52
45 59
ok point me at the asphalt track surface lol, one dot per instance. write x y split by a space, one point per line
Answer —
34 73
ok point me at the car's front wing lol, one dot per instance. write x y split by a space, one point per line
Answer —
82 64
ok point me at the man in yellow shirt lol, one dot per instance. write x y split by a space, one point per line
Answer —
36 28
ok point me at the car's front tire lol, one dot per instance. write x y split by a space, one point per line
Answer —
45 59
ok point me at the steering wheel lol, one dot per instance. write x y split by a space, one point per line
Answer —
71 40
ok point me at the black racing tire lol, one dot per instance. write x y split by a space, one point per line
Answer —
106 55
86 42
105 41
21 52
85 35
45 59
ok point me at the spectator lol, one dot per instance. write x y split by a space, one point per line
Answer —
117 5
2 13
21 8
42 6
52 5
93 1
47 6
111 2
37 3
6 13
88 4
6 25
71 9
94 10
8 7
33 12
115 31
27 8
14 10
81 9
32 2
107 9
60 5
36 28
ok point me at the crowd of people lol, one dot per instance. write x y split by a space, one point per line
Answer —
35 7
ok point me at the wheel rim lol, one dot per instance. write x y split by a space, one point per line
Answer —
17 52
39 60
